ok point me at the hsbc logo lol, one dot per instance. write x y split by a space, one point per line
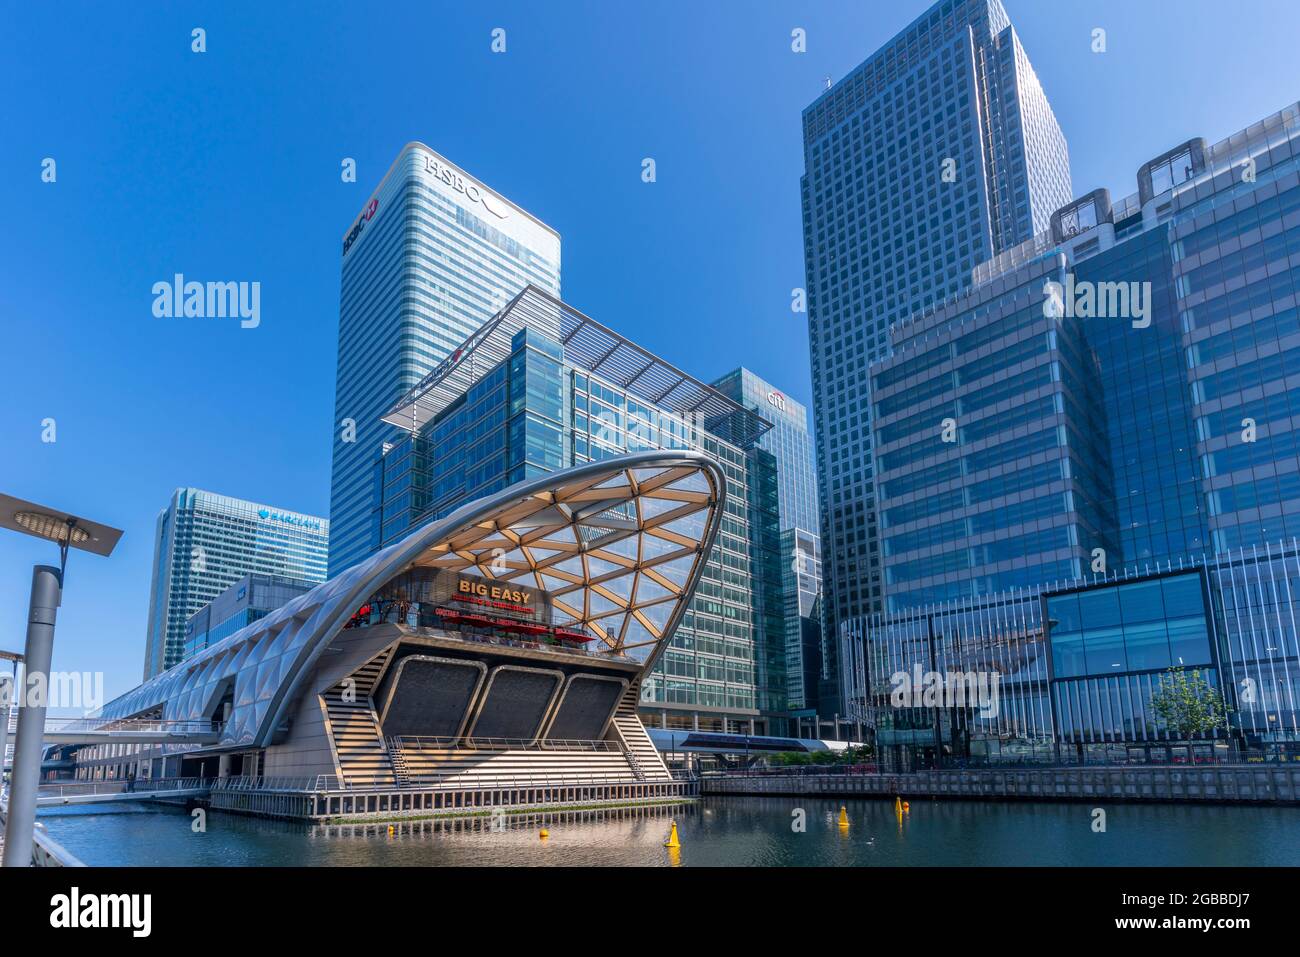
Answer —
367 214
461 185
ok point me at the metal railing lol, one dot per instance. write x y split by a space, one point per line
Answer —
1222 757
76 725
427 743
74 788
46 851
310 782
459 781
491 781
563 649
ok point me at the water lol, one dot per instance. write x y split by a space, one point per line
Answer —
718 831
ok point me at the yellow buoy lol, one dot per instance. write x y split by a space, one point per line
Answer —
906 807
898 805
391 830
844 816
672 837
543 834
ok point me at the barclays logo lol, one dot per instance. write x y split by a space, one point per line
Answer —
287 519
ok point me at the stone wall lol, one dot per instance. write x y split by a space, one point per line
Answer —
1229 785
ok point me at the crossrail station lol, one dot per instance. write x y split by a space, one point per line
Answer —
492 658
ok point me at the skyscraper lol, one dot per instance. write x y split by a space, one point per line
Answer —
430 258
205 542
794 567
1138 415
1117 492
543 387
935 154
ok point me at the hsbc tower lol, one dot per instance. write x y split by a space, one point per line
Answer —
430 257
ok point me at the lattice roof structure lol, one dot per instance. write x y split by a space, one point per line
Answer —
619 545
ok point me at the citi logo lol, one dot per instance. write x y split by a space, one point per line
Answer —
366 215
73 910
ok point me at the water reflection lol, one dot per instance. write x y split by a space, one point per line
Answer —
729 831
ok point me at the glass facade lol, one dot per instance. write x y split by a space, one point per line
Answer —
935 154
990 469
246 601
204 543
543 407
1024 436
1106 409
433 256
788 555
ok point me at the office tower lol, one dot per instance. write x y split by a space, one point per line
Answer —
795 565
541 387
936 153
1113 403
203 543
431 257
249 599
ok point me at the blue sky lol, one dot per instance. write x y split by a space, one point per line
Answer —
225 166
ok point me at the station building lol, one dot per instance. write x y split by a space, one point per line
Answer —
543 387
502 645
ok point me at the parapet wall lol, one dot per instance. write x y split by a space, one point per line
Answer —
1214 785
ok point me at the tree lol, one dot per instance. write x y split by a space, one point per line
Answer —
1187 704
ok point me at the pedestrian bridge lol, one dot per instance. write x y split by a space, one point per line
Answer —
124 731
98 792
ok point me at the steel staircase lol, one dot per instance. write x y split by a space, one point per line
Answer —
642 755
363 756
400 771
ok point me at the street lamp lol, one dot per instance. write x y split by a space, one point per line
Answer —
6 701
67 531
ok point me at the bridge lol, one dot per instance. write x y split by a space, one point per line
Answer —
124 731
60 793
64 731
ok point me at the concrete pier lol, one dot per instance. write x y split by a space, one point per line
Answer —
1234 784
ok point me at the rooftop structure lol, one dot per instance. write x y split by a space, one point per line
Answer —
511 629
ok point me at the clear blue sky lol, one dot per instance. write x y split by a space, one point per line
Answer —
225 166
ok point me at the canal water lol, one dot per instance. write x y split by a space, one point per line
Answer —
717 831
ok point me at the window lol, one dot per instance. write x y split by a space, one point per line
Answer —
1171 172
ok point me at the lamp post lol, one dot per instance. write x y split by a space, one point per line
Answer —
6 702
67 531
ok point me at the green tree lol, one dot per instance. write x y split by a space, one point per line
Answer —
1187 704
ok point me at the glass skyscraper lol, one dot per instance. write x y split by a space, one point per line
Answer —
790 561
935 154
204 543
1088 465
431 257
542 387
